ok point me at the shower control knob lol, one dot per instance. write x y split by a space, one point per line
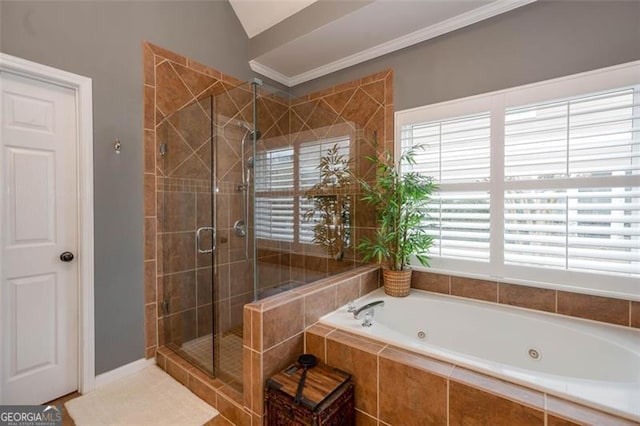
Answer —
67 256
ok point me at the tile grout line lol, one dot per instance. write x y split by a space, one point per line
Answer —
378 386
448 397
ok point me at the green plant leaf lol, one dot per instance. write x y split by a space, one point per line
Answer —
400 200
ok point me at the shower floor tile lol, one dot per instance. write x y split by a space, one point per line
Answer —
230 356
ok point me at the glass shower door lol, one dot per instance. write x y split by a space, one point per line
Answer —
185 229
234 229
205 226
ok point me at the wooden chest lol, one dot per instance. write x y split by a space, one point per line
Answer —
327 398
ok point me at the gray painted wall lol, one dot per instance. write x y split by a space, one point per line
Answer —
536 42
103 40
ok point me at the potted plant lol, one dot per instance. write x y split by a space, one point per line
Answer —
400 201
330 208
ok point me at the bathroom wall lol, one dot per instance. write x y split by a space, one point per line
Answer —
103 40
539 41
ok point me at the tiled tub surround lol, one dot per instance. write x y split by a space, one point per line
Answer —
274 327
596 363
273 338
399 387
603 309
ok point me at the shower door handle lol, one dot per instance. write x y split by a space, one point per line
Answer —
213 239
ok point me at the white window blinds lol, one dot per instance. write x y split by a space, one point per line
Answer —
539 183
565 206
309 158
456 150
456 153
586 136
280 201
274 218
274 170
273 212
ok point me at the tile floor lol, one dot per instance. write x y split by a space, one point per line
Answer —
230 353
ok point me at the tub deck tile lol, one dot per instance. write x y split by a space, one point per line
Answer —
499 387
428 281
583 415
541 299
471 406
358 357
401 378
418 361
557 421
604 309
474 289
635 314
362 343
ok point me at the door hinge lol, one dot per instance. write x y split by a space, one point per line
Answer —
165 307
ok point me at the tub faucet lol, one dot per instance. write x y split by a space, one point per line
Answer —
369 307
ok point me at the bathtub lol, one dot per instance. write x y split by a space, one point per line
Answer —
580 360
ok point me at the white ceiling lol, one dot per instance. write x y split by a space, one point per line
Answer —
378 28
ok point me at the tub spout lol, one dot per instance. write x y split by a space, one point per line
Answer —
366 308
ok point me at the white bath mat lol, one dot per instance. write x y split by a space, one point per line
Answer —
148 397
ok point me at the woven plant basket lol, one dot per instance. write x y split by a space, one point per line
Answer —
396 283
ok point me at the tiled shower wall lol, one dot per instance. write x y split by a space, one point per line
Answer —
177 109
361 110
178 112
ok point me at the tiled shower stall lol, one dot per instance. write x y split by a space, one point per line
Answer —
194 122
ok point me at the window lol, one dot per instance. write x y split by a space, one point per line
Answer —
455 151
573 213
274 218
280 201
273 212
539 183
309 175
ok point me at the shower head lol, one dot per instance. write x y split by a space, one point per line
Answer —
247 127
244 125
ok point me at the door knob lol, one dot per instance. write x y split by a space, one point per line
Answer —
67 256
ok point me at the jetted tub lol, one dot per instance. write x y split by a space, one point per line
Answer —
580 360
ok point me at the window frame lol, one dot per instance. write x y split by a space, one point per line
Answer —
497 103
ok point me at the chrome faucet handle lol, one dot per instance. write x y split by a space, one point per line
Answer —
351 307
368 319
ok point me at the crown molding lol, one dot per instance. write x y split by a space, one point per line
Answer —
484 12
270 73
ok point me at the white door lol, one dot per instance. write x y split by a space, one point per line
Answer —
38 215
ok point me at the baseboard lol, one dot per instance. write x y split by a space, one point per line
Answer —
124 371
